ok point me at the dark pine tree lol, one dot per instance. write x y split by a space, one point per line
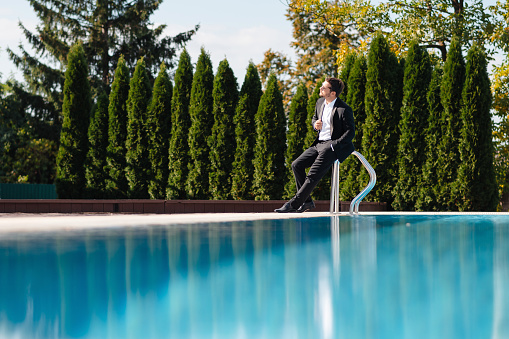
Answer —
138 170
160 128
476 186
96 169
70 180
346 69
108 29
117 185
380 133
414 120
202 119
180 124
270 149
245 136
222 142
352 167
297 128
448 149
429 187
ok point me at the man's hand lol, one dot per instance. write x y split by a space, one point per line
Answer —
318 125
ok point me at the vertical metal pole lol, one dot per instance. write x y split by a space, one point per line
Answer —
334 194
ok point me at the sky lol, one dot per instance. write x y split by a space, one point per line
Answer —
238 30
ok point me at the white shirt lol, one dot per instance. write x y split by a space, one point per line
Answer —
326 115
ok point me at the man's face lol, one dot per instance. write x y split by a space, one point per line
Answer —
325 90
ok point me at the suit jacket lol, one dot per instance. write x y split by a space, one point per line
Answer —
342 127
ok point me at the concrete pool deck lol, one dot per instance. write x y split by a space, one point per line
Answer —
28 222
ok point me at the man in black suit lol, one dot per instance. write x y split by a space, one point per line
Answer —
333 120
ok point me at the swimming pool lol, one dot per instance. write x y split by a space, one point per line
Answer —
382 276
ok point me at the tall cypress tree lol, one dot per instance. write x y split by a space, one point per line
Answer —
351 167
429 187
117 185
297 128
345 73
70 181
448 152
414 119
202 119
269 161
476 187
179 146
138 163
245 136
160 128
380 135
96 170
222 141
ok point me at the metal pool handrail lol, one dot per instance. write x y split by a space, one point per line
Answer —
334 195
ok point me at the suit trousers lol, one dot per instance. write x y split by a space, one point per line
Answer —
319 158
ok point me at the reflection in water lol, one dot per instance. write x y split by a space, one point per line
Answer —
337 277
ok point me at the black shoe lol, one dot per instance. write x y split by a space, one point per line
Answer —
286 208
306 206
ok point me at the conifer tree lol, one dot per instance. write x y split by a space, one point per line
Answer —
269 161
96 169
180 123
108 29
414 120
245 136
297 128
222 141
380 135
476 187
70 180
346 69
159 131
117 185
448 151
428 184
138 169
351 167
202 119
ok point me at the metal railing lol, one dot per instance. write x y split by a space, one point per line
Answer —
334 194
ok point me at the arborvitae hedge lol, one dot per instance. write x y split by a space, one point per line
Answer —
269 162
96 169
202 119
222 141
476 187
448 151
429 186
117 185
352 167
297 128
180 124
380 135
138 164
245 135
414 120
159 133
70 180
345 73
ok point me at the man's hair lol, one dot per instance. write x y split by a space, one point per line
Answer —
336 85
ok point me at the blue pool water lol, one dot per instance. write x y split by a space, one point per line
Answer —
327 277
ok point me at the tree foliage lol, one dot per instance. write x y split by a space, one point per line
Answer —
200 111
160 126
222 140
245 135
70 179
96 169
269 161
117 185
138 171
414 119
476 186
